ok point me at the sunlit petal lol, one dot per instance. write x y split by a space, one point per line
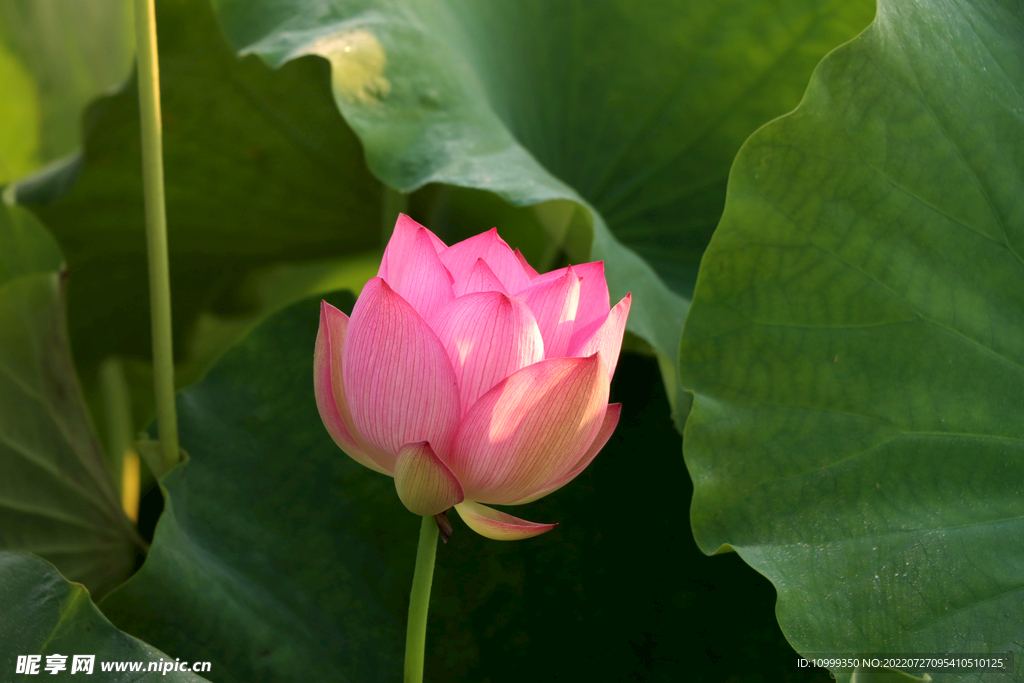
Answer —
487 336
611 421
529 428
498 525
605 337
554 305
399 382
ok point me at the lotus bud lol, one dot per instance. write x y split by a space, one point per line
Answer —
469 377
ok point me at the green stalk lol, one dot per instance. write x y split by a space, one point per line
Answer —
419 601
156 228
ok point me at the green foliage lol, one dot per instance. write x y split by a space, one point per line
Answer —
44 614
856 343
19 112
267 201
55 57
56 496
616 121
854 350
273 530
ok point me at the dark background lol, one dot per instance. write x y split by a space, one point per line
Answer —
636 599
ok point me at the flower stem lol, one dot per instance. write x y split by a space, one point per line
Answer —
419 601
156 228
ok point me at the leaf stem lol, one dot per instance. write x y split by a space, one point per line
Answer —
156 228
419 601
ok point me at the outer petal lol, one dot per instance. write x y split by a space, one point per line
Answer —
605 338
422 280
554 305
396 254
330 389
593 293
611 421
529 428
460 259
488 336
425 484
399 382
498 525
481 279
527 268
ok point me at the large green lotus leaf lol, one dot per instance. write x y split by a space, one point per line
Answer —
55 56
268 200
41 613
280 559
56 496
622 116
19 110
856 343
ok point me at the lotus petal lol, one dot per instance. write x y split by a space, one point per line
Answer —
498 525
594 303
460 259
605 337
403 239
423 281
481 279
399 382
554 305
487 336
611 421
330 390
527 268
425 484
529 428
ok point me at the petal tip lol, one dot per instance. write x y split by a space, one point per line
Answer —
327 309
498 525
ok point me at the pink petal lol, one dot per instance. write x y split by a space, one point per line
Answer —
425 484
396 254
605 337
529 428
460 259
488 336
330 389
422 280
498 525
481 279
527 268
399 382
608 425
554 305
593 292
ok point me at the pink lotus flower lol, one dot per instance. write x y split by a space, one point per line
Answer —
469 377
